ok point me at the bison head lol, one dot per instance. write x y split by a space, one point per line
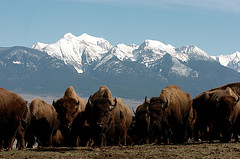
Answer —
226 106
143 120
67 109
157 107
101 108
100 112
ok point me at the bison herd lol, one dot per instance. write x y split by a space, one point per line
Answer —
172 118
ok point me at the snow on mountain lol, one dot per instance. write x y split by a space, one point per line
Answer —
231 61
150 51
85 50
124 52
156 46
39 46
186 52
182 70
76 51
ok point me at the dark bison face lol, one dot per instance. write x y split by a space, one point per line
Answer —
100 113
226 105
156 108
101 109
143 119
67 109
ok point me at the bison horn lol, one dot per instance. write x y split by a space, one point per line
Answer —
89 100
77 104
113 106
147 102
238 99
134 111
166 104
53 103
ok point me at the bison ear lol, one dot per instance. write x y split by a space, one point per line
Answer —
113 106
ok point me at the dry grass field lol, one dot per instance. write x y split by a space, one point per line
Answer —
196 150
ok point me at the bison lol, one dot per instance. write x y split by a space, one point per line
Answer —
142 124
108 119
70 109
169 114
43 123
214 110
13 109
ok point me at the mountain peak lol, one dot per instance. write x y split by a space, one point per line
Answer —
69 36
91 39
193 51
39 46
231 61
157 46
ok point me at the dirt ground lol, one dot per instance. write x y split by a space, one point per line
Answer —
196 150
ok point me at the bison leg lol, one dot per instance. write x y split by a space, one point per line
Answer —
20 138
10 142
1 142
125 137
31 141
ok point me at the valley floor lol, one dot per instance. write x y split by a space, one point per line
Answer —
196 150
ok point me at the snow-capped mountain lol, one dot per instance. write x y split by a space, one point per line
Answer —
231 61
130 71
76 51
82 51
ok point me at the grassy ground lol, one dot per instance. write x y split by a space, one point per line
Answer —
197 150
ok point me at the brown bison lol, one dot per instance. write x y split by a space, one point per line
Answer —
169 114
70 109
13 110
43 123
214 109
109 119
142 125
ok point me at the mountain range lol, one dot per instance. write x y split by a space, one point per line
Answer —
130 71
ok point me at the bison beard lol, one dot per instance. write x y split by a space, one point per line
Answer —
101 109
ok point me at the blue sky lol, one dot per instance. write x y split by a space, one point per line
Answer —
211 25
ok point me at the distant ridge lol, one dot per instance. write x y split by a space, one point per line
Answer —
130 71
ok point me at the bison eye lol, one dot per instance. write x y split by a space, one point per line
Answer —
73 114
106 113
